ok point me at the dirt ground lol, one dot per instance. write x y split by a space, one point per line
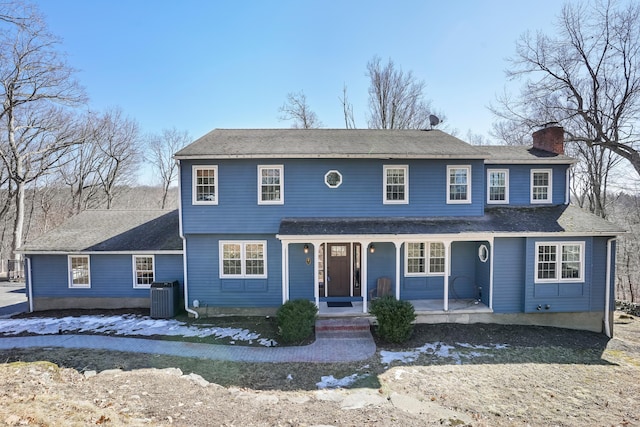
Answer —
582 379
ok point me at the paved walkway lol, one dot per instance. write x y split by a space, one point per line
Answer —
346 340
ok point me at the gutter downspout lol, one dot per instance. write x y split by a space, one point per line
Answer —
184 245
607 296
29 287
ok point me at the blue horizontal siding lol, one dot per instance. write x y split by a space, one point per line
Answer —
206 286
520 182
306 195
111 276
508 275
300 272
561 296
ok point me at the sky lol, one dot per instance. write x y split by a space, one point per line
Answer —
197 65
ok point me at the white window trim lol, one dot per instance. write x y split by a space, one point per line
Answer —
326 175
558 263
271 202
549 198
506 187
243 244
194 185
136 285
427 272
406 185
70 272
468 199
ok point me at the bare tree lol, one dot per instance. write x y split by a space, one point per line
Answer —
297 109
396 98
36 84
347 110
117 139
586 77
161 149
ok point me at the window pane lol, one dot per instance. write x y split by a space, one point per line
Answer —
205 185
540 186
571 261
80 271
270 184
458 184
497 186
546 262
416 258
144 270
395 184
436 257
231 256
338 251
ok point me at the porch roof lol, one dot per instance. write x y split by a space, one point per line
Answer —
560 219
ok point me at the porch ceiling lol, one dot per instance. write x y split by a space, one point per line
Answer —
559 219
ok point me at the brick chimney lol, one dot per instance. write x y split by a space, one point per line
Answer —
549 138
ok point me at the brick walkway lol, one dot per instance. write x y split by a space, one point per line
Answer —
337 340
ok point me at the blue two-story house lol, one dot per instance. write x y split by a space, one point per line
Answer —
466 233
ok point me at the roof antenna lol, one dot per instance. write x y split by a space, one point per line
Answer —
433 120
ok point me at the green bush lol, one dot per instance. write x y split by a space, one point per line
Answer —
395 318
296 319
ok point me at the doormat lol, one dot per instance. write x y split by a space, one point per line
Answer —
339 304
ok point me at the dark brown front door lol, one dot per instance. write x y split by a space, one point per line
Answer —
338 270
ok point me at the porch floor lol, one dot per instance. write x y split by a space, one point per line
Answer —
422 307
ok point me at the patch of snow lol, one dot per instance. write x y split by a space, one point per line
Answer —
438 349
127 324
331 382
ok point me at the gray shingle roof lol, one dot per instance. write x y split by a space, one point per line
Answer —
559 219
523 154
112 231
329 143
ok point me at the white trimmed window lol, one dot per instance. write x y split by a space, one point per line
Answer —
458 184
240 259
79 271
497 186
270 185
424 258
541 186
205 185
396 184
559 262
143 271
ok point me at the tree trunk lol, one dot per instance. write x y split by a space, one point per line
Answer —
18 225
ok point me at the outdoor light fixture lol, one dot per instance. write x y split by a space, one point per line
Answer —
306 249
372 248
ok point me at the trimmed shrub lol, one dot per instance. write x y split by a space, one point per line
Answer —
296 319
395 318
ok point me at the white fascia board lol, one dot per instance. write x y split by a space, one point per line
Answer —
331 156
75 252
542 161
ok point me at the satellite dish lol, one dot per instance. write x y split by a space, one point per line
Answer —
433 120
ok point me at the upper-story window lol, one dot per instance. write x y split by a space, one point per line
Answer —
242 259
143 271
205 185
559 262
541 186
424 258
271 185
498 186
396 184
79 271
458 187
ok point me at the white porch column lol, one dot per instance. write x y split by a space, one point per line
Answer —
364 276
285 271
316 268
447 272
398 245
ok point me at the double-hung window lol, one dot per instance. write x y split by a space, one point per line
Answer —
143 271
79 271
205 185
458 184
239 259
396 184
424 258
270 185
559 262
541 186
498 186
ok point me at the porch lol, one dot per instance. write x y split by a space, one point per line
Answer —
425 307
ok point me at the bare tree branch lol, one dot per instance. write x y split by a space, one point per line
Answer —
297 109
